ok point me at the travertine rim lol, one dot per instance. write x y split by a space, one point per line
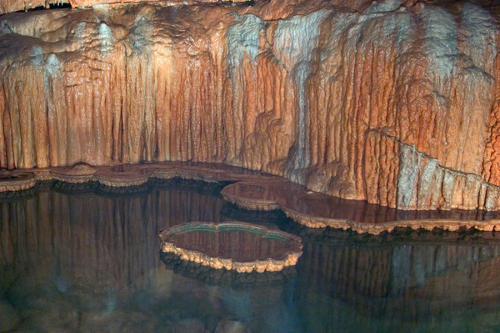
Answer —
125 175
260 265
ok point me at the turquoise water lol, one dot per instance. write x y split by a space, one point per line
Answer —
86 259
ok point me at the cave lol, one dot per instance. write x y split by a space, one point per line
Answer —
369 129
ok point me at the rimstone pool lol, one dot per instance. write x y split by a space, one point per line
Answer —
85 257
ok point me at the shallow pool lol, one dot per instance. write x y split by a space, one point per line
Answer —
85 258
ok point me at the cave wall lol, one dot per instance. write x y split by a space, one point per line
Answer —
392 102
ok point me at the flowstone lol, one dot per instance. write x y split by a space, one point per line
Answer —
238 246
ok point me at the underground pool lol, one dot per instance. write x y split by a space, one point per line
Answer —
86 258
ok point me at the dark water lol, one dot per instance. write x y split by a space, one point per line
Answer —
85 259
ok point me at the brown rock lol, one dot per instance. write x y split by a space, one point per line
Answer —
393 102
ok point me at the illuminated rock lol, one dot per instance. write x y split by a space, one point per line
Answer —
251 196
16 181
123 175
317 210
393 102
246 189
79 173
238 246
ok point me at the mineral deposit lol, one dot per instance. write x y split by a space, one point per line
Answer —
394 102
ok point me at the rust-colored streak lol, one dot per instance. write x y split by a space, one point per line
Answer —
392 103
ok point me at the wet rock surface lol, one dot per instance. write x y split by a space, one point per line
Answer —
244 188
238 246
393 102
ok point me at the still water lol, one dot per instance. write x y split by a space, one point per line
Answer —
79 258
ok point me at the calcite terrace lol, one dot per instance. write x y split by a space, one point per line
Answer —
394 102
238 246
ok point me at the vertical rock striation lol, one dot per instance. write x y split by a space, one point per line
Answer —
393 102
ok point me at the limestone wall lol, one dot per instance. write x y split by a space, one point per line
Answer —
392 102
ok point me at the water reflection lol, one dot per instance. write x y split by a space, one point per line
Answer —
78 236
90 263
399 286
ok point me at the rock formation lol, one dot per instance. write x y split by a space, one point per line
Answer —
238 246
394 102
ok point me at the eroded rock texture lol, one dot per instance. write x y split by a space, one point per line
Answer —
394 102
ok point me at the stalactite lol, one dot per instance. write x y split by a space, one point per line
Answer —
394 103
